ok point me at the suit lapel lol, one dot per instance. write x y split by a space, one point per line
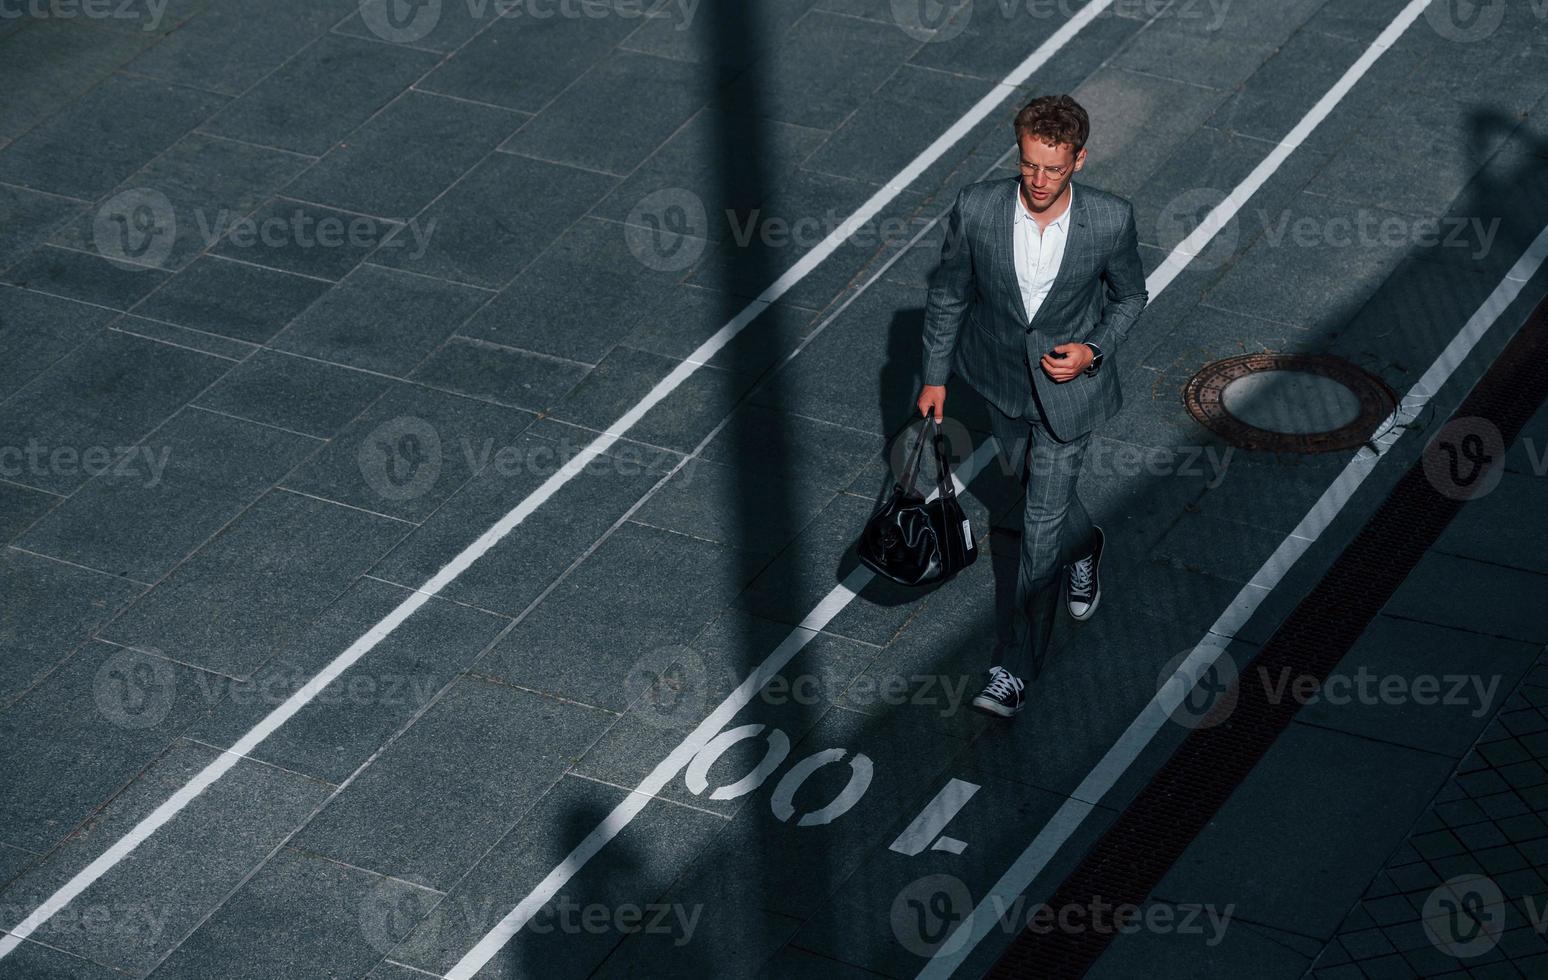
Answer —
1006 230
1078 237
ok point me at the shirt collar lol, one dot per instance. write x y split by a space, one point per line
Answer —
1062 221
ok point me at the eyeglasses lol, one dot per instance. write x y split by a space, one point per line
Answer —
1031 170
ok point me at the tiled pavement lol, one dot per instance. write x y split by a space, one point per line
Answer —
208 516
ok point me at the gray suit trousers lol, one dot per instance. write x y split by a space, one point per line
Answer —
1055 530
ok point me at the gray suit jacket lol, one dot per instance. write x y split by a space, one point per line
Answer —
976 324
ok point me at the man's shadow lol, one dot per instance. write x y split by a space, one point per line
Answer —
966 419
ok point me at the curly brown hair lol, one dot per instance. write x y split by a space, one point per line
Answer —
1054 119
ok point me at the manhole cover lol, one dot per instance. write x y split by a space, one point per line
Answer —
1289 403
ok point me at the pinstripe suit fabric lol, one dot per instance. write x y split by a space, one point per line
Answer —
976 326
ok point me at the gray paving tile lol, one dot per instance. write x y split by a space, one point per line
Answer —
232 299
380 320
149 17
208 183
523 62
723 40
889 128
110 132
823 70
107 393
1502 526
1309 241
37 330
231 45
321 94
699 160
443 28
84 277
410 451
678 422
1189 943
426 809
813 453
676 686
583 295
55 61
29 217
684 317
13 861
1216 59
500 374
1274 98
350 915
1419 685
248 592
102 717
877 337
1472 595
497 219
153 506
20 508
294 393
1144 120
38 962
140 909
647 98
637 865
355 715
312 240
405 156
512 573
587 636
868 921
50 609
171 333
739 508
1300 863
819 558
1222 548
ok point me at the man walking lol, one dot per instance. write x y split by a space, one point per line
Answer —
1016 311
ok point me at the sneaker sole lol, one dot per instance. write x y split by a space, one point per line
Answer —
994 708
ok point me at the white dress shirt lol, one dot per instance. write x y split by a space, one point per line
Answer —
1038 251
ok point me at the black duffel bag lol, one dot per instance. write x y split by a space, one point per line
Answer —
915 541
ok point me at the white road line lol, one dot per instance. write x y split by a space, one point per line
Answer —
126 845
1127 749
1129 745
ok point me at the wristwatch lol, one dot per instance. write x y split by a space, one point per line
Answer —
1096 360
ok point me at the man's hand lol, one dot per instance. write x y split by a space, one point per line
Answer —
1061 369
932 399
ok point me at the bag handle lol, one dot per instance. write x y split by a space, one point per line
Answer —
911 471
942 465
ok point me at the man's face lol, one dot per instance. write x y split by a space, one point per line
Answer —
1046 170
